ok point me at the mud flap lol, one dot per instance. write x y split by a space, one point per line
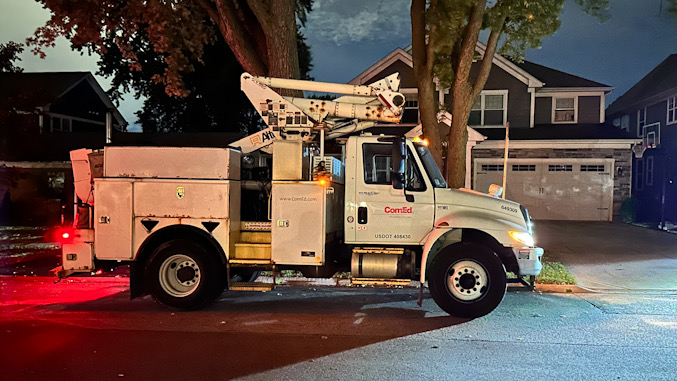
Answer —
137 284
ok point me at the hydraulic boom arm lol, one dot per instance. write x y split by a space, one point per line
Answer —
300 118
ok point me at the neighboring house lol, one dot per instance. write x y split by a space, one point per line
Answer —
649 111
564 163
42 117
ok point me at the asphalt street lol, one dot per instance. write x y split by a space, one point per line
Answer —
87 328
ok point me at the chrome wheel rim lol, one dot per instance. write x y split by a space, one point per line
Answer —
179 275
467 280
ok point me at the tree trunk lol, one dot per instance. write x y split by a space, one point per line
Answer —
232 25
283 57
458 140
422 56
462 98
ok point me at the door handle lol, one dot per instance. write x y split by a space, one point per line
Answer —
362 215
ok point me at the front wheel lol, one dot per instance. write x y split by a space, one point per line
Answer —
467 280
183 274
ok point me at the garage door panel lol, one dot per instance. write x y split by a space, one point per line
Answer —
554 189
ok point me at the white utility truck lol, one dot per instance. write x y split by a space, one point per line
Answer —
377 206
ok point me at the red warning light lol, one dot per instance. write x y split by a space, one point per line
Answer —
65 236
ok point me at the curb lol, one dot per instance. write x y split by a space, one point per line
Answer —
561 289
296 281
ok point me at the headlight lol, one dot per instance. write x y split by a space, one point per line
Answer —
522 237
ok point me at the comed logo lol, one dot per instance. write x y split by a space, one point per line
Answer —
402 210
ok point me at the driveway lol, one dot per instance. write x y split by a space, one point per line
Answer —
604 256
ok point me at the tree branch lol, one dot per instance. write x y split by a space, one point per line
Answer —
233 32
210 9
430 51
470 37
487 61
418 44
262 12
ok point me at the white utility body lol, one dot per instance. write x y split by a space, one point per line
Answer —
375 205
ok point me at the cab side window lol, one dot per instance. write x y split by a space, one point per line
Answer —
378 168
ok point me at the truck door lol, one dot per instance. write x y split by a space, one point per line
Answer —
383 214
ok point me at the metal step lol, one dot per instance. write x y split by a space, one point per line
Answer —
255 226
234 262
379 282
255 237
250 286
256 251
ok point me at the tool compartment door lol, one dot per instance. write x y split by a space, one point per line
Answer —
298 223
113 219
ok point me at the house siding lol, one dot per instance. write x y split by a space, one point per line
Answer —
588 109
657 201
543 111
407 79
657 113
622 163
519 99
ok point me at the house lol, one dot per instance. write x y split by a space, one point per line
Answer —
42 117
564 163
648 111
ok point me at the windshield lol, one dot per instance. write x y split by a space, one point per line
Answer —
430 166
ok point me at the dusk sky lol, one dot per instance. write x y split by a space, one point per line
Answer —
347 36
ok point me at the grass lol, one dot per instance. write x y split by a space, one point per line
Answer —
554 273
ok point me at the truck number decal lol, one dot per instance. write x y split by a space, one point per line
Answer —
394 236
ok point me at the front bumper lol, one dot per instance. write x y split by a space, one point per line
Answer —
529 260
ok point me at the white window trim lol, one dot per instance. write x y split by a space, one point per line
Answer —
648 170
625 118
505 108
639 175
669 110
554 102
60 128
418 111
640 126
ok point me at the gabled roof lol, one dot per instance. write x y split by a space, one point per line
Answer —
531 74
396 55
527 78
556 78
659 83
52 86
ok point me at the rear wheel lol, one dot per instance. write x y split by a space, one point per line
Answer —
467 280
183 274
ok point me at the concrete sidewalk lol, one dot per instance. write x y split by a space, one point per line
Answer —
604 256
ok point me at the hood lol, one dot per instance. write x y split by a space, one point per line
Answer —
466 201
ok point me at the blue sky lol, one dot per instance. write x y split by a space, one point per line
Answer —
347 36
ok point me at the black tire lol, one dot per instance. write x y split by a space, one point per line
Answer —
467 280
183 274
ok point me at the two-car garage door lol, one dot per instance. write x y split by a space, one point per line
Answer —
553 189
